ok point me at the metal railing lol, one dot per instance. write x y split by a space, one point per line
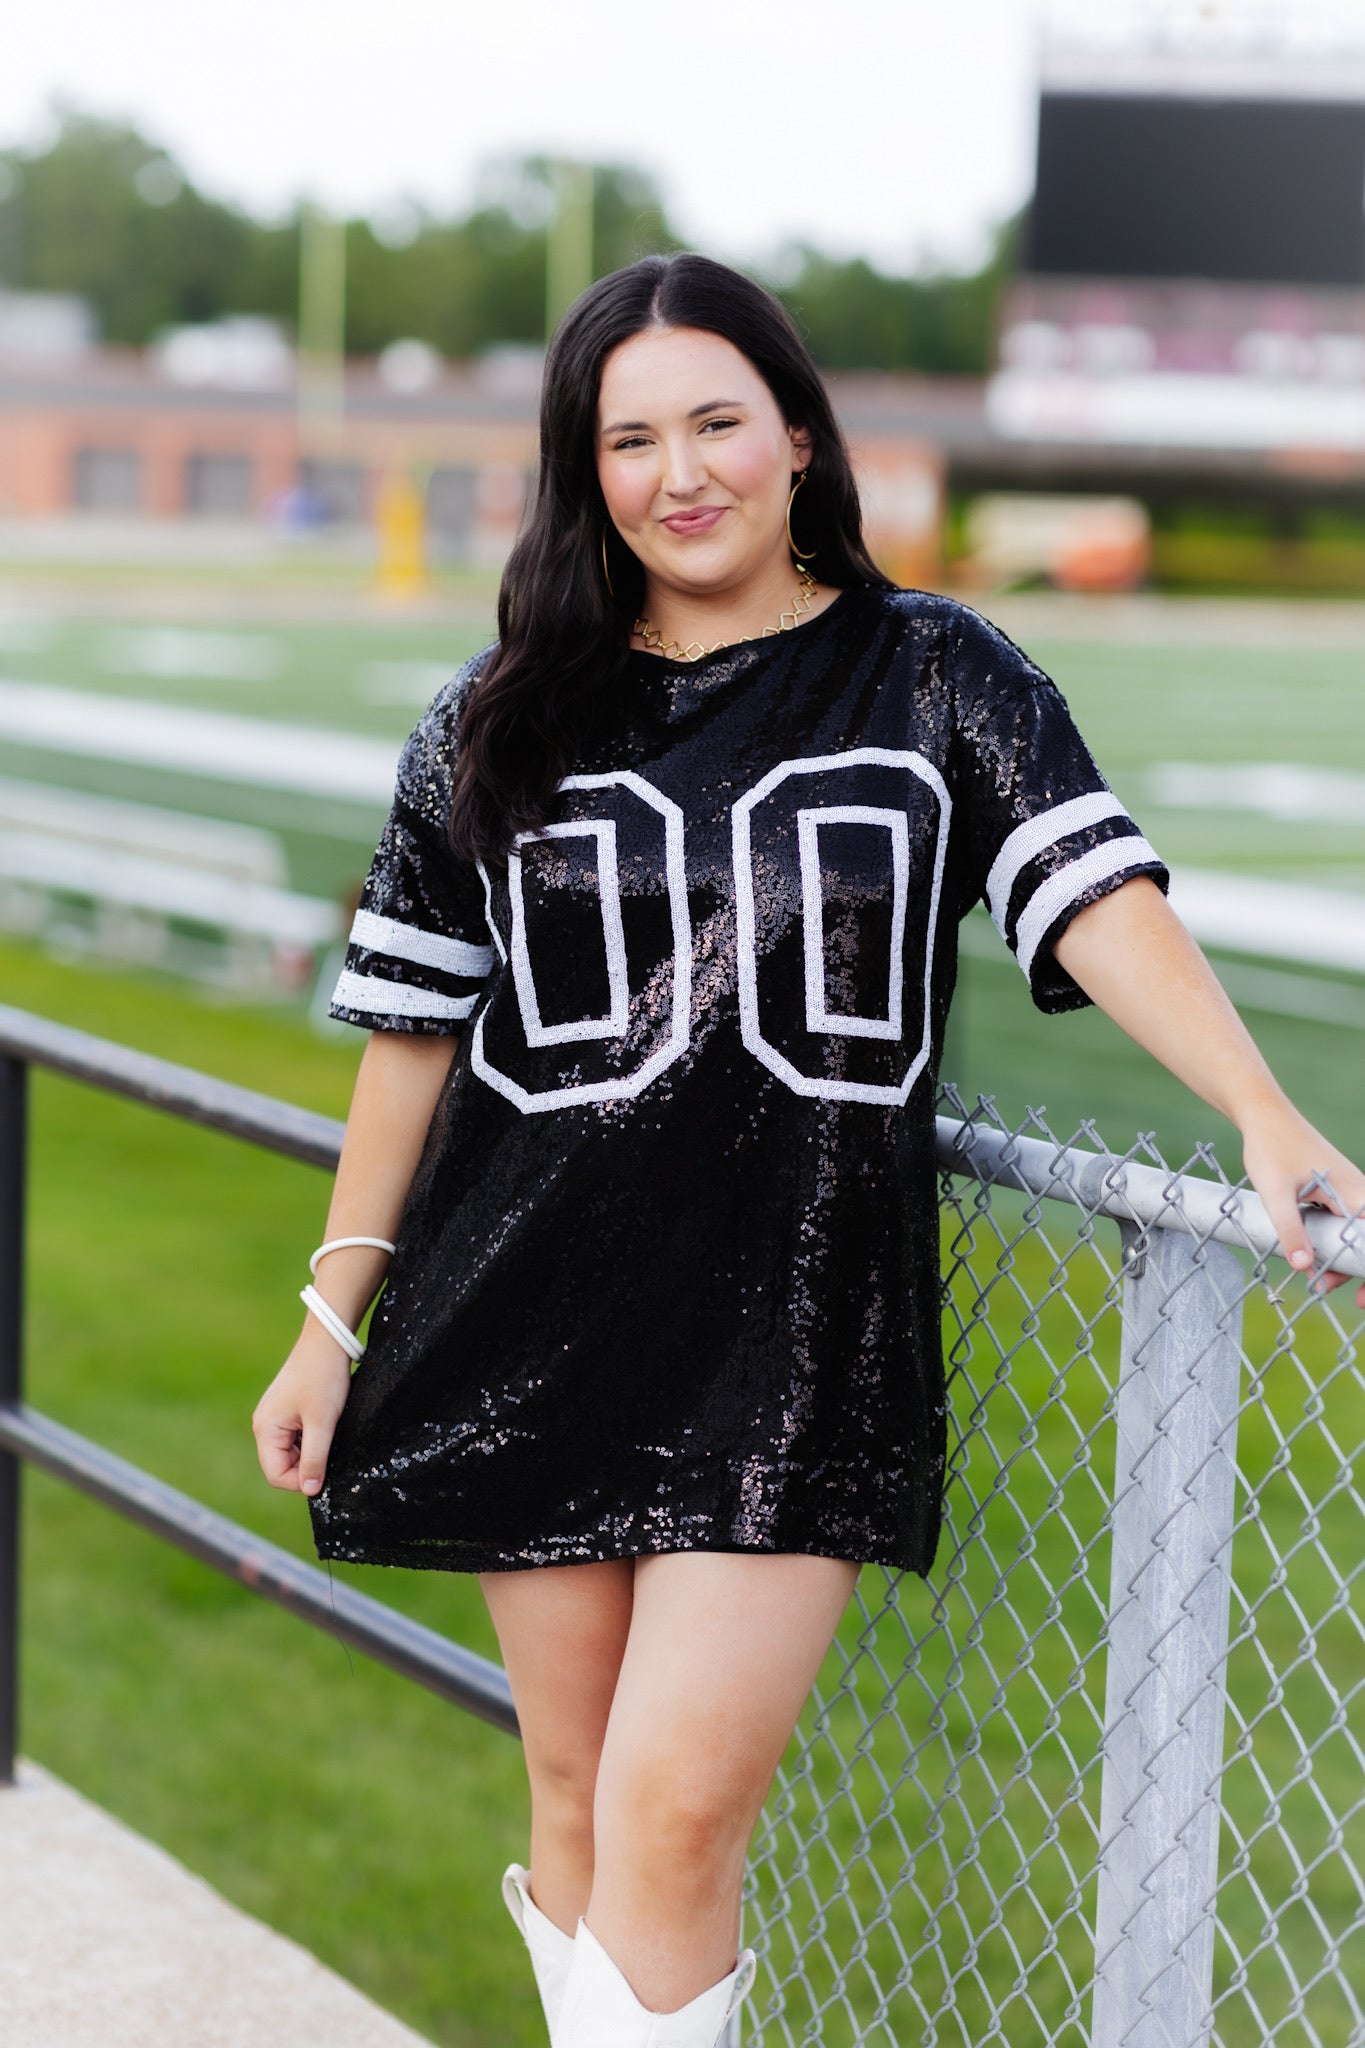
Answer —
1011 1812
381 1631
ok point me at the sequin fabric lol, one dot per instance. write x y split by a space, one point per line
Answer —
667 1273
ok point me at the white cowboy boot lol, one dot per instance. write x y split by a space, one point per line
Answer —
551 1949
733 2034
601 2011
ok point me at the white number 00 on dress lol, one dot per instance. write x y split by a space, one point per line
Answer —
881 791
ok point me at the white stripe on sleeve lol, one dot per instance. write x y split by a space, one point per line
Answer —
1048 902
1035 835
428 949
395 998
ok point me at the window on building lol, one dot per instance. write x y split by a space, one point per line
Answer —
341 489
107 480
450 511
222 486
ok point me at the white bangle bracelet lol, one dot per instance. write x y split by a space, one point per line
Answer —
332 1323
335 1244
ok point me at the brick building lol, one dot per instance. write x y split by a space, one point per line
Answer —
109 432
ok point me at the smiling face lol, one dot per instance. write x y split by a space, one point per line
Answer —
696 463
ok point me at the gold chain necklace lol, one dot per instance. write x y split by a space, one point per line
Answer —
674 651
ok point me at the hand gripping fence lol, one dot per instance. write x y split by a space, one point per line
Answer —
1101 1782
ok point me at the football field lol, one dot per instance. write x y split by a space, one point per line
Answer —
1232 731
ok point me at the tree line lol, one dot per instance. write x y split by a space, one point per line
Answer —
102 210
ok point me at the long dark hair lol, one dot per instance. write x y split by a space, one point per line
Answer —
562 634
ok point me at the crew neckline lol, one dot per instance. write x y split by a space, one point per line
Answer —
756 643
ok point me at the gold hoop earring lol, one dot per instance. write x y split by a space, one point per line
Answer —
810 556
605 570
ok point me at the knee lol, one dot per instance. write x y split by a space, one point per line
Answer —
563 1783
676 1819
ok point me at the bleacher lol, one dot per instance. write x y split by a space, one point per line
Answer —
141 883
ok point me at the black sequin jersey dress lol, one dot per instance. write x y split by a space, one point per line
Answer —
667 1274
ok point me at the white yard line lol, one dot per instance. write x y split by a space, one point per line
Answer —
25 632
166 888
1269 920
1272 920
1308 996
190 653
1157 620
222 745
403 682
1295 791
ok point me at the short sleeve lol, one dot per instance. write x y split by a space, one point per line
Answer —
419 949
1044 835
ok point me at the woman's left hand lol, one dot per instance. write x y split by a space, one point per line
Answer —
1286 1160
1133 956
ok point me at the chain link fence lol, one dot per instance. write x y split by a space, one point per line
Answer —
1101 1782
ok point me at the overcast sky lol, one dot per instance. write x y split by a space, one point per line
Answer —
901 128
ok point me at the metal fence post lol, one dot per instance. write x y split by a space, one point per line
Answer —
13 1148
1170 1589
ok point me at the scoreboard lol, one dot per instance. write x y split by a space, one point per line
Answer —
1248 190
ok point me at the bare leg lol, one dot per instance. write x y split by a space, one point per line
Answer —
562 1630
722 1652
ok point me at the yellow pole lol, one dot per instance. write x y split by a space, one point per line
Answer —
568 242
401 571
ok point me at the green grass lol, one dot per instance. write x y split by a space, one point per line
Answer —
347 1808
370 1822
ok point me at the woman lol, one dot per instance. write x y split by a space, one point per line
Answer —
656 952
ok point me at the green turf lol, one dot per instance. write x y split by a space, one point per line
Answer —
1136 703
371 1823
370 677
356 674
1081 1066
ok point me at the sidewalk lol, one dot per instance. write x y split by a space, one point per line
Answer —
108 1942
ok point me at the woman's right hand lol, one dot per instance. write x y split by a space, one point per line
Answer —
398 1083
295 1419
